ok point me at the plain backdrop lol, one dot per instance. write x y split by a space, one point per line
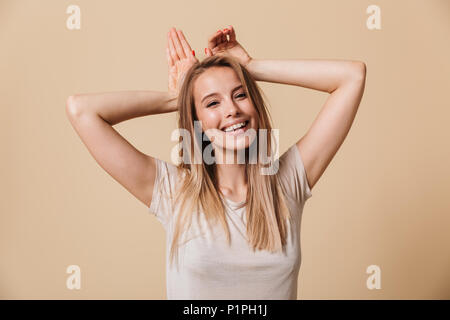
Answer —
383 200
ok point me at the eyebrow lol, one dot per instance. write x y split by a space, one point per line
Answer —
215 93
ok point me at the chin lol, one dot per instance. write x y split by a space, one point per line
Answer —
237 140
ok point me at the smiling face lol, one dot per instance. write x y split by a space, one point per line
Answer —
220 101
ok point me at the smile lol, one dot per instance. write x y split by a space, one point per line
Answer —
239 130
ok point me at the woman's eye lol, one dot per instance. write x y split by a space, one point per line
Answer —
214 102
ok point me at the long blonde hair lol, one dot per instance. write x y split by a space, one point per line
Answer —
266 209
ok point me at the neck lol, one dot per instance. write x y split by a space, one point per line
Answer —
230 174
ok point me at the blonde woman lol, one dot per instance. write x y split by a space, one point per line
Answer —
232 232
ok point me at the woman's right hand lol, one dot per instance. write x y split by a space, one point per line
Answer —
180 58
219 44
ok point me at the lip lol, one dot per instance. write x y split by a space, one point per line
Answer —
239 131
234 122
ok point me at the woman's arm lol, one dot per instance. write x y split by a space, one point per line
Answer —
115 107
93 116
344 80
322 75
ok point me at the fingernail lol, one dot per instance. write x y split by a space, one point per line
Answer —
205 51
193 52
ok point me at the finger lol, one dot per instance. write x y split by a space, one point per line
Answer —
221 40
223 37
232 33
213 39
225 33
172 50
186 47
169 58
208 52
177 44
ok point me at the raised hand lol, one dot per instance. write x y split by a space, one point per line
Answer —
219 44
180 58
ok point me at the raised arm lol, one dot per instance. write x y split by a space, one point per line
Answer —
343 80
93 116
115 107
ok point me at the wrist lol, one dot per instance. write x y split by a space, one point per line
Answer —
172 101
250 66
248 63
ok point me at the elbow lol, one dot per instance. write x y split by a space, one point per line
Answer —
73 109
359 70
355 73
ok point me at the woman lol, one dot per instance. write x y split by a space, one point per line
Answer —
234 231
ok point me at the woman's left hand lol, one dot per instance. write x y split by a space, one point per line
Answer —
180 58
218 44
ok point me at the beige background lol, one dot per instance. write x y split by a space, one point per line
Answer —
384 199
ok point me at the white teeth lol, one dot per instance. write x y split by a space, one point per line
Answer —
235 126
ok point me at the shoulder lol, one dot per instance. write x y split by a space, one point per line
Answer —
292 174
164 190
167 174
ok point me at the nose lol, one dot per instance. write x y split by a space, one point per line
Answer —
232 109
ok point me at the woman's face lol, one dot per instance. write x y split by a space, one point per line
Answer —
220 101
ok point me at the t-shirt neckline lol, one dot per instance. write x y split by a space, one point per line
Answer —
234 202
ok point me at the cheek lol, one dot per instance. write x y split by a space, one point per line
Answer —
248 107
210 119
250 110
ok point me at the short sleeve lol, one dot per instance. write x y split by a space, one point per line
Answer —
292 175
163 191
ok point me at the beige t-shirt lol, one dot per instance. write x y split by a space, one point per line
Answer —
211 269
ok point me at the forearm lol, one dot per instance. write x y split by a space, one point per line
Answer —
115 107
322 75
